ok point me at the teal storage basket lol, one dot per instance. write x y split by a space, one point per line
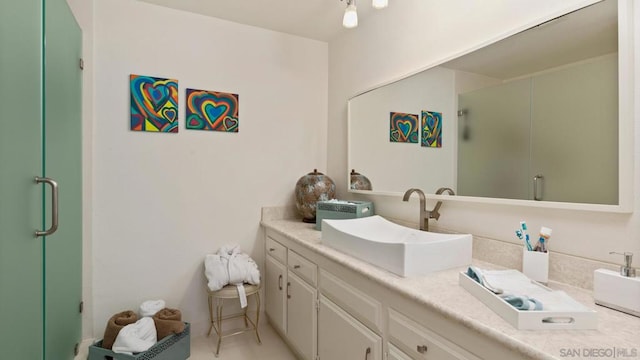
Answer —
174 347
342 210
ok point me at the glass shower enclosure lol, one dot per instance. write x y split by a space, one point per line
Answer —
40 138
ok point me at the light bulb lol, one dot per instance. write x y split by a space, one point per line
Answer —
380 4
350 19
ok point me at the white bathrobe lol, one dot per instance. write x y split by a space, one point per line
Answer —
231 266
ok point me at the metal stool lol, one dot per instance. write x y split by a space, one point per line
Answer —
231 292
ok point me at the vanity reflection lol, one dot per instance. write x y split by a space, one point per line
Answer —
531 117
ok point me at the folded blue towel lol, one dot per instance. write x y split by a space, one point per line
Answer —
522 302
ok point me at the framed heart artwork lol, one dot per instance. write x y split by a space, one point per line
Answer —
431 129
154 104
403 127
212 110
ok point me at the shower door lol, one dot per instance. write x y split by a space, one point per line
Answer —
40 102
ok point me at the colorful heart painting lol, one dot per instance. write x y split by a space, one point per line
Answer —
403 127
154 104
431 125
212 110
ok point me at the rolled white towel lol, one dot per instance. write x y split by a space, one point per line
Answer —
151 307
136 337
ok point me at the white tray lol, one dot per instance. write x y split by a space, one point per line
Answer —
530 320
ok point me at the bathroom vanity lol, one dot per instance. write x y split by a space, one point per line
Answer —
329 305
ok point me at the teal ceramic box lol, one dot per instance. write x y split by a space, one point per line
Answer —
338 209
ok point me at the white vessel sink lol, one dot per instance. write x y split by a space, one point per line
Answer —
396 248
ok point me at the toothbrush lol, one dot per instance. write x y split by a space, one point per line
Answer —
545 234
523 226
542 247
519 235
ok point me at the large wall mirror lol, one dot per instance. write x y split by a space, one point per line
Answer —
539 116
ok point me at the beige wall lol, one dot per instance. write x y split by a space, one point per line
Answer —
161 202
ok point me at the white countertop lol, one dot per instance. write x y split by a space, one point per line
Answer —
617 333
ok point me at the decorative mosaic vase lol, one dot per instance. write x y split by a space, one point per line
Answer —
359 181
310 189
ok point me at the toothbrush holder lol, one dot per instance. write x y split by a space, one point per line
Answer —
535 265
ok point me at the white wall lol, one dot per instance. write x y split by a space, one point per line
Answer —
163 201
432 31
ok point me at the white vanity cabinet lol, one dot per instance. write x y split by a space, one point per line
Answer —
291 296
326 310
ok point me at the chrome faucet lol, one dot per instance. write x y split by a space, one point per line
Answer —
425 214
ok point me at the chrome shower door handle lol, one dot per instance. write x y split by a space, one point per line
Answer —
54 205
535 187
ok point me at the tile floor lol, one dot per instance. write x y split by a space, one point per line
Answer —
242 347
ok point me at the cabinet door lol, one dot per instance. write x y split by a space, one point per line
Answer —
275 281
301 316
342 337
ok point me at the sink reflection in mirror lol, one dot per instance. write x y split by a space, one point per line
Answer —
399 249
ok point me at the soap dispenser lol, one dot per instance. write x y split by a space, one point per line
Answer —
618 290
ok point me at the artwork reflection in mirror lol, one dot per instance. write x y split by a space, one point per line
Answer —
533 117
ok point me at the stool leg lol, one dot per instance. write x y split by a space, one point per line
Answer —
219 304
210 315
246 323
258 316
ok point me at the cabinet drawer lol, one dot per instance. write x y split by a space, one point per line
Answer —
397 354
303 268
360 305
421 343
277 250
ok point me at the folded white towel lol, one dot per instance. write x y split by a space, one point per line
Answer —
231 266
136 337
151 307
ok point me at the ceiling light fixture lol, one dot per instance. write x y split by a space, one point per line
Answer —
350 19
379 4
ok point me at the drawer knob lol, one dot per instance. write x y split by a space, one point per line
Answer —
272 249
296 266
422 349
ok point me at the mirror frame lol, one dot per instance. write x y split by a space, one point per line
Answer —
626 78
